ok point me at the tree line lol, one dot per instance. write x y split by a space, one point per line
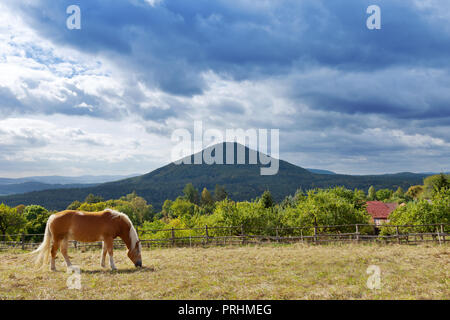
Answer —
423 204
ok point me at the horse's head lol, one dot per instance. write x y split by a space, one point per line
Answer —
130 237
135 254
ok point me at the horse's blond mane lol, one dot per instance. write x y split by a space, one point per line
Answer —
133 234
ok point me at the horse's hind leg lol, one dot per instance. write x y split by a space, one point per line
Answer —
64 246
109 247
102 261
55 247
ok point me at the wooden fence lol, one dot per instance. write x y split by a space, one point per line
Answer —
237 235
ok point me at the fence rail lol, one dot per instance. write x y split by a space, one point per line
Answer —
237 235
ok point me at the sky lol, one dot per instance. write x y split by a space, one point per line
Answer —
106 99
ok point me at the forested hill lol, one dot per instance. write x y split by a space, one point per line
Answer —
10 186
242 182
8 189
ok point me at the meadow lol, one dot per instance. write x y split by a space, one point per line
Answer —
296 271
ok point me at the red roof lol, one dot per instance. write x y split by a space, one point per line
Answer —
380 210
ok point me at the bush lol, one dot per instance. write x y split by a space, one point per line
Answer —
11 222
37 217
421 212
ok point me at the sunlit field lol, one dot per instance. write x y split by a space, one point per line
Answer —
249 272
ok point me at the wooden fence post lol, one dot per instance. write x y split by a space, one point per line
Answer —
206 234
277 235
397 233
443 233
242 234
23 241
301 234
438 236
357 232
315 234
173 237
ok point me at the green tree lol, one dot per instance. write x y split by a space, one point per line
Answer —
127 208
32 212
93 207
359 198
93 199
143 211
325 207
372 194
220 193
11 222
384 194
415 192
206 198
291 201
287 202
399 193
442 183
20 208
434 184
37 217
359 194
167 209
207 201
299 195
129 197
182 207
267 200
74 205
422 212
252 216
191 194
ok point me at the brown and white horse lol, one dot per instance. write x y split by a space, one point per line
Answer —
88 227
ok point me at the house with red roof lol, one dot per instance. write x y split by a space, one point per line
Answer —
380 211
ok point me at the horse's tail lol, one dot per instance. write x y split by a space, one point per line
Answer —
43 250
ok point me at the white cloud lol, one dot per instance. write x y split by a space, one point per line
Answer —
153 2
82 113
92 142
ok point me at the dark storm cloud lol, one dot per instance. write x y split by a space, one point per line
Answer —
169 44
316 57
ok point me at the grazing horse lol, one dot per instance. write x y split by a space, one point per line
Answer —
88 227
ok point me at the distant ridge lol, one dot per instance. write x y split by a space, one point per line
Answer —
18 188
84 179
320 171
242 182
9 186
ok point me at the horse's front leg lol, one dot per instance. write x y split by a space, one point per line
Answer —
103 257
109 247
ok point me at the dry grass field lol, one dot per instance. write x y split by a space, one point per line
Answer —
251 272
